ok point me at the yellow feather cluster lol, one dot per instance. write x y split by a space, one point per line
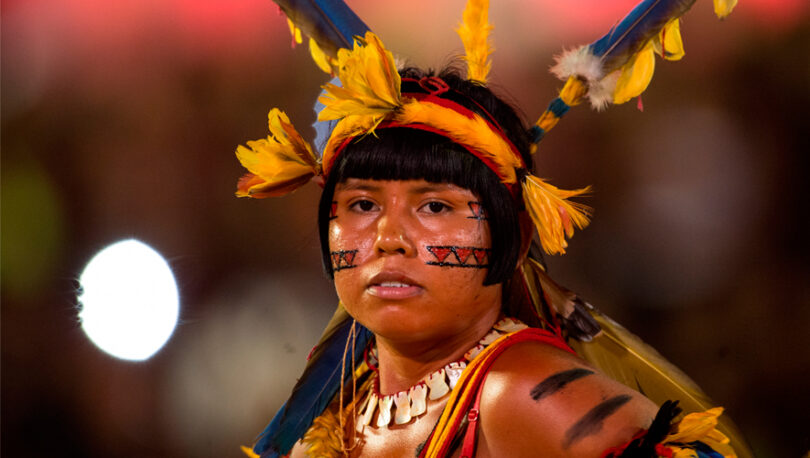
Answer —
370 84
636 74
324 438
553 214
699 426
474 32
278 164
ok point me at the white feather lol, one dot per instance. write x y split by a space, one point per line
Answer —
580 62
600 92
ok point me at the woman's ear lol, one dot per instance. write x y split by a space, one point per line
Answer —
526 235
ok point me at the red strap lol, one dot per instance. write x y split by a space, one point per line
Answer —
470 436
476 384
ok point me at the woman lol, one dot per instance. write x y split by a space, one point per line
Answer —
426 226
409 204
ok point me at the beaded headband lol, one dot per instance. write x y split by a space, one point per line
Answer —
615 68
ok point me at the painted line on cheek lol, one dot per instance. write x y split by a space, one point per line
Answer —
591 422
556 382
465 256
343 259
477 211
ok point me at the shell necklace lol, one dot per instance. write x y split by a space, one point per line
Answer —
412 403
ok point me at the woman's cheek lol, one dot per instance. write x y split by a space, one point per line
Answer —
466 246
347 249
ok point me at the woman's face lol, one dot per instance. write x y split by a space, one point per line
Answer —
410 257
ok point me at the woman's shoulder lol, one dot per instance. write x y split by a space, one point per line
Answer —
540 399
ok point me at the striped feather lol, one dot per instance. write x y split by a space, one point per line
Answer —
630 36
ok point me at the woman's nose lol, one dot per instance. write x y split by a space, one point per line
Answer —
393 234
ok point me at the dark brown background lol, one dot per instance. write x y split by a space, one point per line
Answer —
119 119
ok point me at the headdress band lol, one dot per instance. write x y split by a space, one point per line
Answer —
436 87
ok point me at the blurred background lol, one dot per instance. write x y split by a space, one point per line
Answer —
120 119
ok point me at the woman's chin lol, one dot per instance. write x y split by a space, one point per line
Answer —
398 322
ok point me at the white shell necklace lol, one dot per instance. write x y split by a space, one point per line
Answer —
412 403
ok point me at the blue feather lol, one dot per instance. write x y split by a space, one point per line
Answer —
315 389
331 23
632 33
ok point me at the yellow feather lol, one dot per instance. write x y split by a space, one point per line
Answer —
277 164
323 61
701 426
553 215
370 83
295 31
635 75
249 452
324 439
722 8
670 36
474 32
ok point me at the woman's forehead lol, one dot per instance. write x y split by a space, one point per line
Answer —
399 186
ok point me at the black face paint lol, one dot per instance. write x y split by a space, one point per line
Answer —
591 422
343 259
557 381
462 256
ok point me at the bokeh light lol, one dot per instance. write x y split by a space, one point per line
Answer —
129 300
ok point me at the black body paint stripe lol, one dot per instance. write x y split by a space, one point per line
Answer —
591 422
557 381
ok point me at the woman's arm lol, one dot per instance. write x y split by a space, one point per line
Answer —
539 400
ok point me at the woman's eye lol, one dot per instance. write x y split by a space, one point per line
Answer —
436 207
363 205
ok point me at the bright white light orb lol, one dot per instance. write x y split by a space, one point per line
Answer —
129 300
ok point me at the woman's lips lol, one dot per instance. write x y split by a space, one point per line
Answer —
393 285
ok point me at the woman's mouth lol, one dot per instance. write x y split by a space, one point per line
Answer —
389 285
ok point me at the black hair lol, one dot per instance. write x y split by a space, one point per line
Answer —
411 154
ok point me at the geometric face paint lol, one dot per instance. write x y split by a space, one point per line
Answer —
459 256
477 211
343 259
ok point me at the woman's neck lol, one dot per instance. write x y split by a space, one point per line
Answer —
404 364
